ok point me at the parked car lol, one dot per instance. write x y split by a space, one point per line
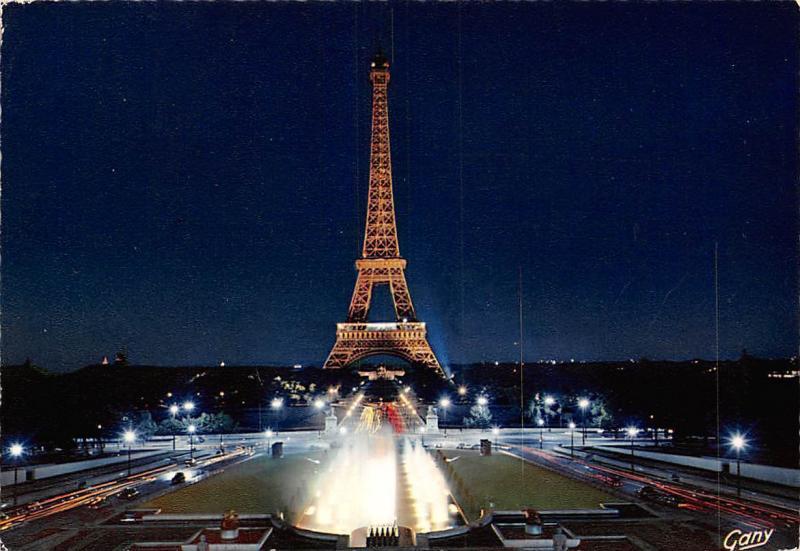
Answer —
611 480
98 503
128 493
651 493
179 478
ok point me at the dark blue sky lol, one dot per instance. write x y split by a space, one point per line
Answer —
188 180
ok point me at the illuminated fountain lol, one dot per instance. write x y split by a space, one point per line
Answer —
368 482
358 486
428 491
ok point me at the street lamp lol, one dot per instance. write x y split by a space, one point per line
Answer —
571 439
549 401
462 390
129 437
583 403
445 403
173 410
540 422
495 432
191 430
16 451
738 443
632 432
319 403
188 406
276 404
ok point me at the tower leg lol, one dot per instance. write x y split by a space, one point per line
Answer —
362 295
403 307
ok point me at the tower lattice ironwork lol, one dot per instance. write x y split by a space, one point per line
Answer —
380 262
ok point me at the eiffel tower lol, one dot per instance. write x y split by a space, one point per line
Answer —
380 262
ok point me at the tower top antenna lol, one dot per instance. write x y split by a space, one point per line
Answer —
380 61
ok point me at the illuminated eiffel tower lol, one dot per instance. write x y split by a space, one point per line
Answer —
380 262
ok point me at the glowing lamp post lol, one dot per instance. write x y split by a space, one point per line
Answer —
191 429
462 390
276 405
632 432
571 439
129 437
319 403
738 443
540 422
549 402
16 451
495 432
173 410
445 404
583 403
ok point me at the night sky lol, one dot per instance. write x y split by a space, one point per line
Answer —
188 180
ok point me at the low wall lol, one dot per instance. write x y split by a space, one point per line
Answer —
778 475
48 471
764 473
7 476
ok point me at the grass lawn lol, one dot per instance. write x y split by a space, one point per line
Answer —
260 485
508 483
